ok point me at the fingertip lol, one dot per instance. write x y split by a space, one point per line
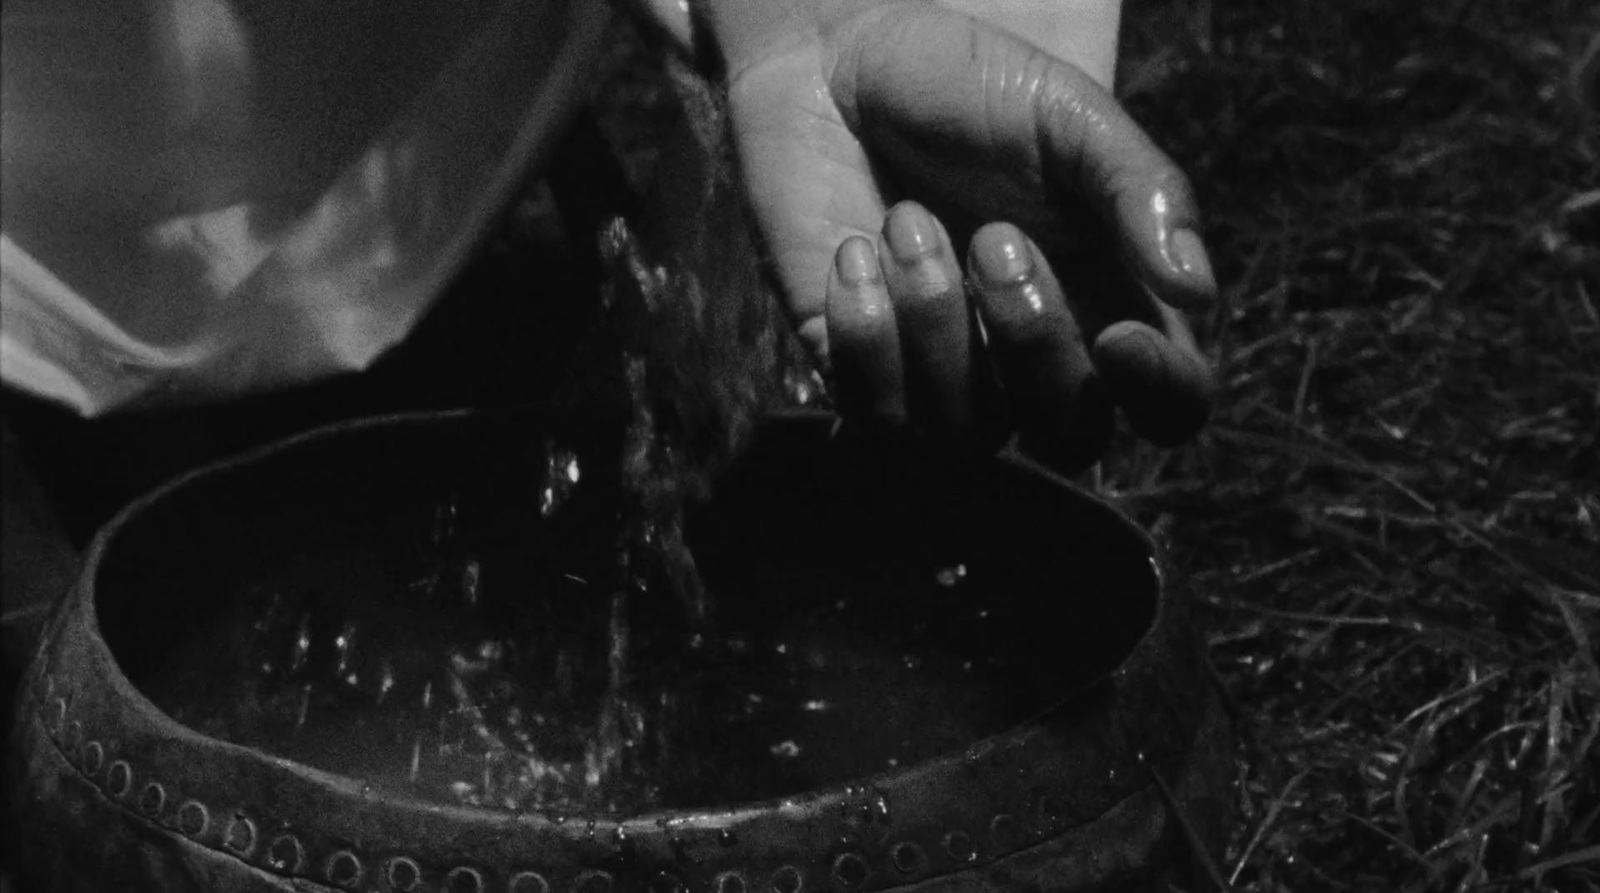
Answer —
858 299
1158 223
856 261
999 255
1188 256
1165 392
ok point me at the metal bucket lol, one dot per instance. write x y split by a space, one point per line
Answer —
1111 766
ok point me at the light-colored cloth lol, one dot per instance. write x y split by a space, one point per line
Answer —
205 197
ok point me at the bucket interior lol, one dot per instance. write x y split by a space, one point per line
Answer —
427 605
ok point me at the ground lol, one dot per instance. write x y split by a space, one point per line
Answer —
1394 517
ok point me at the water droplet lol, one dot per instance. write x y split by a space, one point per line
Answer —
801 387
726 837
385 680
880 808
343 643
469 582
815 705
951 577
301 646
786 750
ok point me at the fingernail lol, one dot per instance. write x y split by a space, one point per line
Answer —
1145 345
1001 257
1189 253
911 233
856 261
1138 341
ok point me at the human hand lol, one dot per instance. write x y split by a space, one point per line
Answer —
905 350
839 107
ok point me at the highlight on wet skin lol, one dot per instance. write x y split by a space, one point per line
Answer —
919 341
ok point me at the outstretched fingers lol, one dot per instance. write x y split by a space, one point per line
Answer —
902 347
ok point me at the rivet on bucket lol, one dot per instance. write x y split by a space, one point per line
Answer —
241 837
119 780
344 869
286 854
730 882
908 857
152 799
193 818
94 758
850 871
402 874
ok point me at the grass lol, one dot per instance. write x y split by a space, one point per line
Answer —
1394 518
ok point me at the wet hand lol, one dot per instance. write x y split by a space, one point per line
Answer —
915 344
838 109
